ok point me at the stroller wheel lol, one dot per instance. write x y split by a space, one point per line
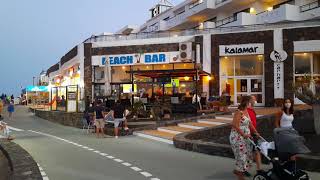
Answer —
261 176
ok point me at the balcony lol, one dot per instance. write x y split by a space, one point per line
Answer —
191 11
284 13
221 2
311 10
241 19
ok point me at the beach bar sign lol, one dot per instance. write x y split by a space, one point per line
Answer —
136 59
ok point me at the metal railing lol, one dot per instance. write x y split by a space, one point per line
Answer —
310 6
220 1
227 20
192 32
195 4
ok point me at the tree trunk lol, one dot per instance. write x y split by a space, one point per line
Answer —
316 117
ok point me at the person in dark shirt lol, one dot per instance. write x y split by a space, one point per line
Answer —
99 113
119 115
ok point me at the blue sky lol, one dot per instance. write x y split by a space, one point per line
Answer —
34 34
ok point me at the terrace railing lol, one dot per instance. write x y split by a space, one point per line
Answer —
310 6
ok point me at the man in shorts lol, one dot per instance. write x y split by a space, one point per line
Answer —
253 118
98 116
119 115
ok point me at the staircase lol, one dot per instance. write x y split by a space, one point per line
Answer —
166 134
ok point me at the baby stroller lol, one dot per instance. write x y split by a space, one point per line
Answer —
287 143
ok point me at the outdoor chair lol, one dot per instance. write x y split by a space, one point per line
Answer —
87 126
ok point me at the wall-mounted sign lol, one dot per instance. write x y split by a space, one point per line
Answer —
241 49
278 55
37 89
137 59
278 80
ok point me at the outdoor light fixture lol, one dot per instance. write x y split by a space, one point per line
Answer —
269 8
123 67
187 78
209 78
252 10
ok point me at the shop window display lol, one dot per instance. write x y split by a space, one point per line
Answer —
119 74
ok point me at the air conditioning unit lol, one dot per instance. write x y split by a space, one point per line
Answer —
185 52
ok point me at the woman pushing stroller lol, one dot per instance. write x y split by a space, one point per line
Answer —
239 136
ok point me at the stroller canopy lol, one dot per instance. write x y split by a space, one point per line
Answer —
289 141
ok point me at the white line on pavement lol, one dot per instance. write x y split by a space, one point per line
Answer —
144 173
43 173
136 168
126 164
15 129
118 160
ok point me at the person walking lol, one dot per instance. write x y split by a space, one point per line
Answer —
119 113
240 133
253 118
11 109
98 117
1 109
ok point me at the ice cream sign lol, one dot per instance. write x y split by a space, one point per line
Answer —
136 59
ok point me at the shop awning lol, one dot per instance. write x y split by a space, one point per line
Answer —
169 73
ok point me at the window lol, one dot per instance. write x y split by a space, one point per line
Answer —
249 65
286 2
119 74
316 63
307 67
302 63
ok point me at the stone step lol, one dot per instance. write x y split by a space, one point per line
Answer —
195 125
212 122
156 135
174 129
225 117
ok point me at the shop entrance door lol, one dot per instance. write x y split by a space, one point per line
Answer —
248 87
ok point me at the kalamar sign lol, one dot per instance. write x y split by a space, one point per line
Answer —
241 49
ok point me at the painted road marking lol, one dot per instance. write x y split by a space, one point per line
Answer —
136 168
15 129
110 157
118 160
43 173
144 173
126 164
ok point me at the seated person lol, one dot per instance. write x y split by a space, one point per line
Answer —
119 113
4 128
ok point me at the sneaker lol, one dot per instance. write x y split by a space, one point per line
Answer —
116 137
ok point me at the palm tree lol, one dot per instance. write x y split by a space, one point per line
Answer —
306 92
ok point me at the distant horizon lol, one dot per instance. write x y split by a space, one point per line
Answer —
39 33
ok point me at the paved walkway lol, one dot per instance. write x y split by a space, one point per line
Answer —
68 153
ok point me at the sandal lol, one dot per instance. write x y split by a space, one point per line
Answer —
239 174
